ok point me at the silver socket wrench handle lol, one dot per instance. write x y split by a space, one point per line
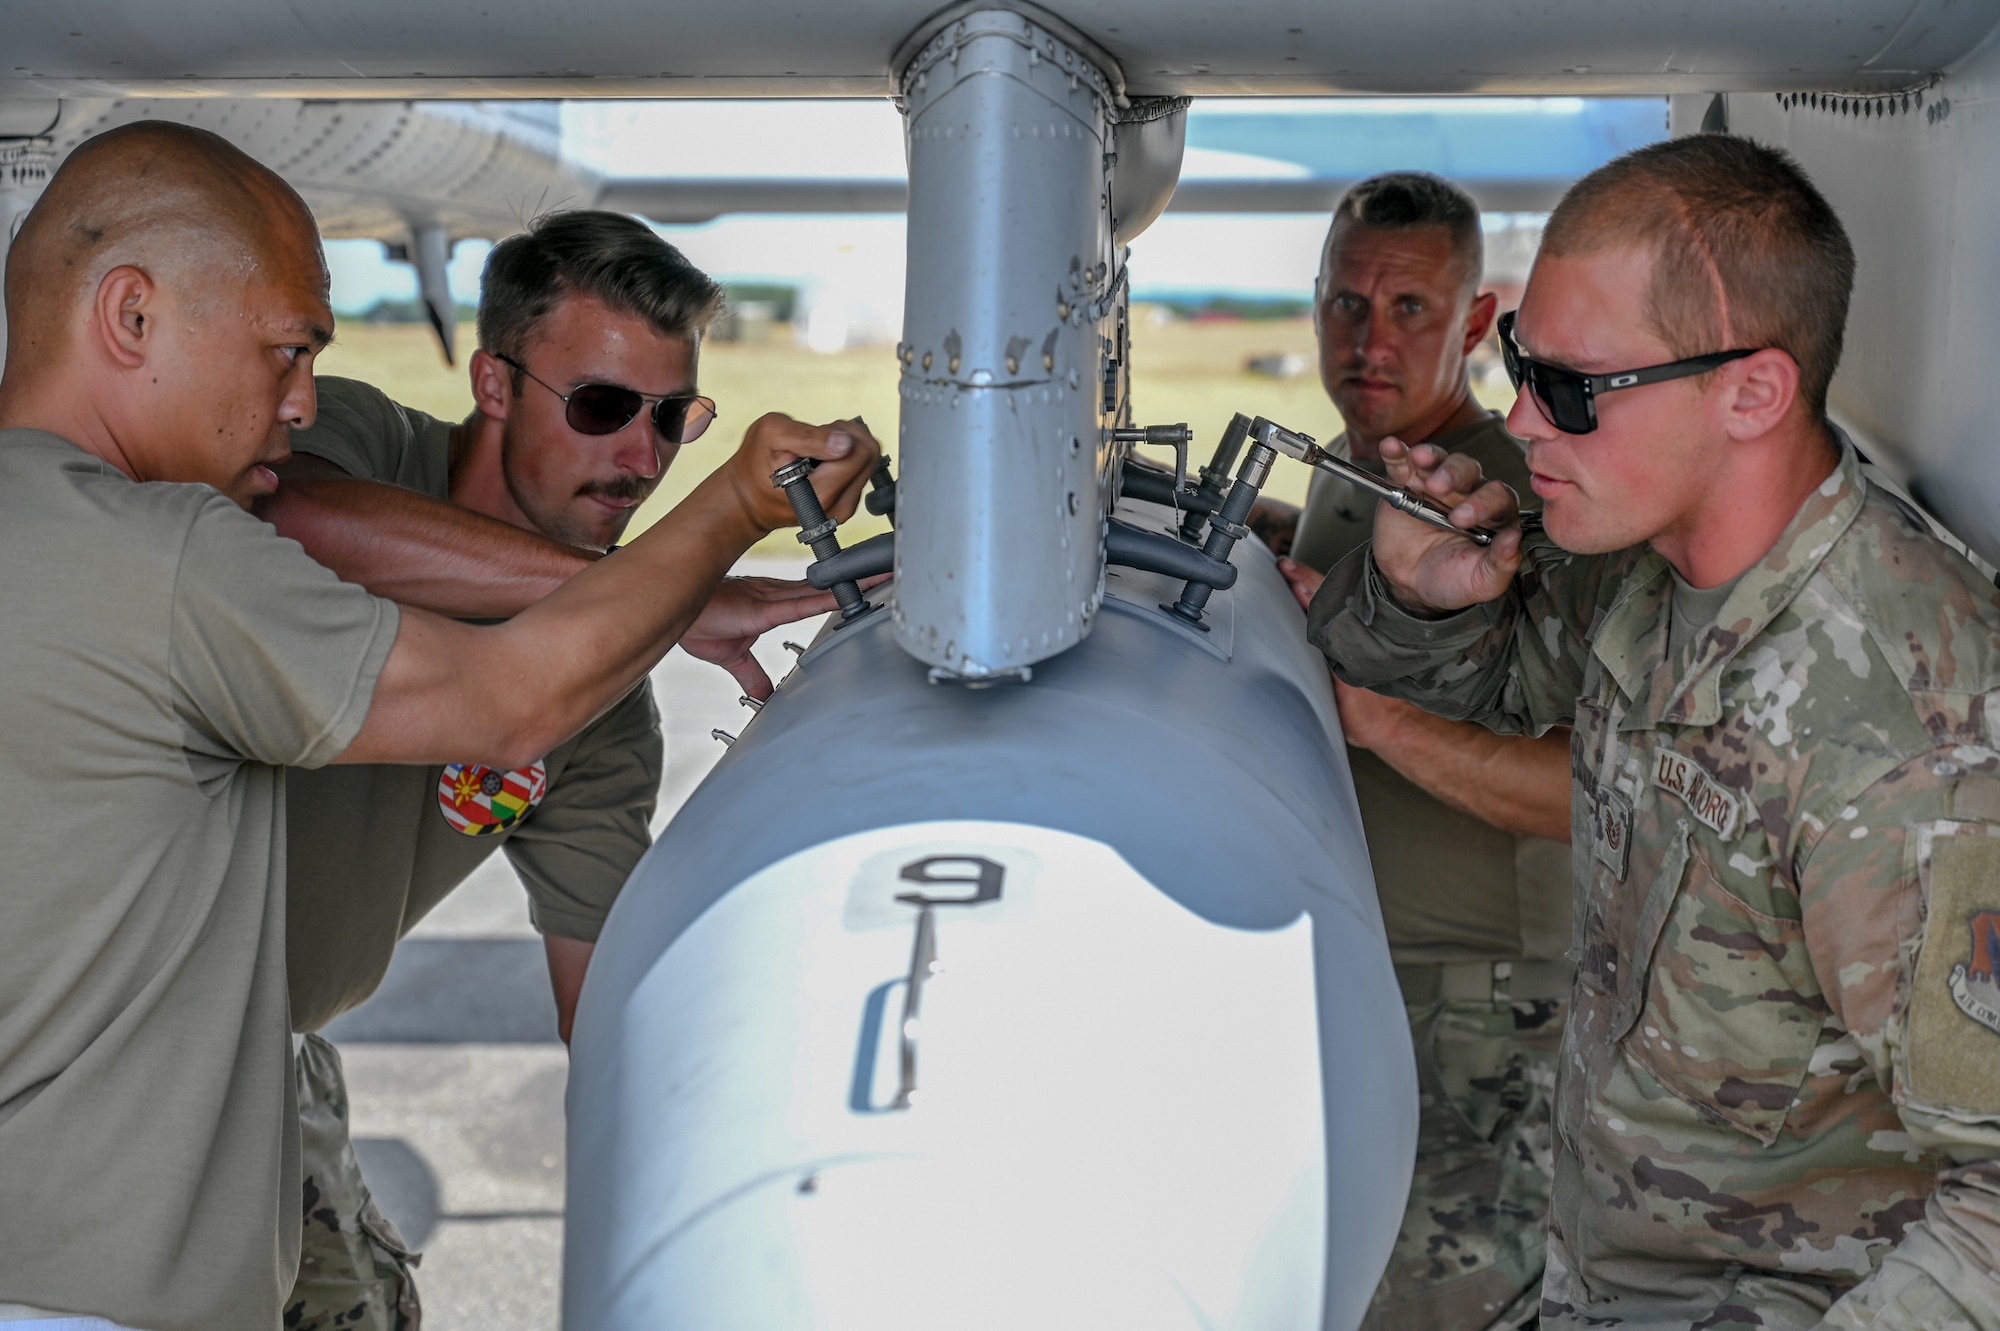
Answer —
1421 507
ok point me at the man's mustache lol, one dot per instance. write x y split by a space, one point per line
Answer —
624 487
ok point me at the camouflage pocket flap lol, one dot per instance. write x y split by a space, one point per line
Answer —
1649 917
385 1234
1733 1009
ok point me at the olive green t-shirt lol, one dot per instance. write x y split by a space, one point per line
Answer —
165 658
375 848
1453 887
1694 609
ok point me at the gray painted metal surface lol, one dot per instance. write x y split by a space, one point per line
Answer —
704 1130
636 48
367 168
1147 145
685 199
1917 182
415 175
1014 298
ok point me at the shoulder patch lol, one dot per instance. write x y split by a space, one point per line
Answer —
1714 805
479 801
1975 985
1954 1024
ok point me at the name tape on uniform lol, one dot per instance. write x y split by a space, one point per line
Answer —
1717 808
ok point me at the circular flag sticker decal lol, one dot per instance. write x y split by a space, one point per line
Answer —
479 801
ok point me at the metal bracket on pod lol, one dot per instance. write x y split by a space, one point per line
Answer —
816 532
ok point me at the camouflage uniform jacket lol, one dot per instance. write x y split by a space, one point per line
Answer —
1779 1095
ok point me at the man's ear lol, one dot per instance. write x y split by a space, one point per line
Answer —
1479 321
492 384
123 315
1759 391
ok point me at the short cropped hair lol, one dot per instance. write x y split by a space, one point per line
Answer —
1747 252
614 258
1405 199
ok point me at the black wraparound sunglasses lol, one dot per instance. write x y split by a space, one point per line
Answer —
1568 399
607 408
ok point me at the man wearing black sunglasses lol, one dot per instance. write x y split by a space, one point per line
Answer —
585 390
1779 1104
1467 831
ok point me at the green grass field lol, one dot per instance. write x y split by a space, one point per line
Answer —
1184 371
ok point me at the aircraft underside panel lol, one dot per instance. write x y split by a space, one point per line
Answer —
374 169
1061 1004
1916 180
637 48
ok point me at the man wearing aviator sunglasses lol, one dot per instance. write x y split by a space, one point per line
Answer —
584 390
594 409
1778 1103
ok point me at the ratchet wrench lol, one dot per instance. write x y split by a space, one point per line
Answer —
1421 507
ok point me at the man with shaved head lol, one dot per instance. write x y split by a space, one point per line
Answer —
167 655
1779 1091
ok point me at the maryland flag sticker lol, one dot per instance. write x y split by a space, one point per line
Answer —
479 801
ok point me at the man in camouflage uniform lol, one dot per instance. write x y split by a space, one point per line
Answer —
1779 1099
1467 830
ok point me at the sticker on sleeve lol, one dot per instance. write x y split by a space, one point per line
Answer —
1954 1015
1714 806
479 801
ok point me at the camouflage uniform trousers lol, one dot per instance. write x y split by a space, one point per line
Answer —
355 1271
1469 1254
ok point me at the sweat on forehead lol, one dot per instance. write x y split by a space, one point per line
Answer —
179 202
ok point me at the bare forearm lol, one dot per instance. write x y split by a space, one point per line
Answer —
505 694
421 551
1519 784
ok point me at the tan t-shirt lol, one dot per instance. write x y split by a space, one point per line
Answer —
1453 887
166 656
375 849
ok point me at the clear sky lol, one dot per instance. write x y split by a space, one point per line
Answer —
859 259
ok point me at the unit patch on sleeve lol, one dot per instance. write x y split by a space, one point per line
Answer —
1717 808
479 801
1954 1023
1975 985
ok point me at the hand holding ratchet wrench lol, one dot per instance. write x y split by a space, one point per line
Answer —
1428 570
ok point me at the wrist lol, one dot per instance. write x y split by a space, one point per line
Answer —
740 505
1402 598
1374 730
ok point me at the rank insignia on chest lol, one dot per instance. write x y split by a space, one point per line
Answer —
479 801
1612 837
1975 984
1716 808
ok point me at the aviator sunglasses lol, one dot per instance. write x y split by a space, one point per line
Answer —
606 408
1568 400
